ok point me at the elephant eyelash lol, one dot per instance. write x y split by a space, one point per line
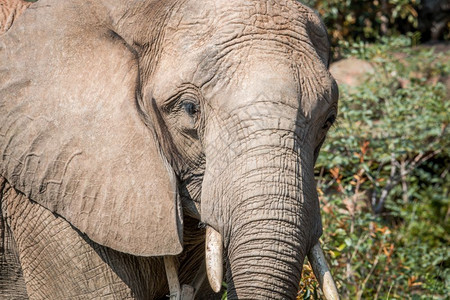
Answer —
183 101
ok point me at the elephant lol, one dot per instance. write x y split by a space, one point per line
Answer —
9 11
148 145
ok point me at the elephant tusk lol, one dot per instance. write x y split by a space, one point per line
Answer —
323 274
214 259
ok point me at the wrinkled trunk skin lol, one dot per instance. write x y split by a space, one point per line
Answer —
272 219
272 232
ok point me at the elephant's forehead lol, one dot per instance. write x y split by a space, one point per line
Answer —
215 37
227 24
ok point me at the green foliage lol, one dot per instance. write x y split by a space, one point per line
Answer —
366 21
384 178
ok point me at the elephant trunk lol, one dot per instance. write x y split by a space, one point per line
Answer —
268 240
263 265
259 193
271 224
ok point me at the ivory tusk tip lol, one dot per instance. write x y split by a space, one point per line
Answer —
214 259
329 288
215 286
323 274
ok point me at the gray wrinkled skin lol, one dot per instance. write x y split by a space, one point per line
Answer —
123 124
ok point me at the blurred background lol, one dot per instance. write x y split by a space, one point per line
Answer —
383 173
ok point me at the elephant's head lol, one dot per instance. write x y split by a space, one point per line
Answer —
136 113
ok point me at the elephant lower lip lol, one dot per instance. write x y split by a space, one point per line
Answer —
214 258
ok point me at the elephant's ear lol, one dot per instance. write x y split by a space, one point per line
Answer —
71 137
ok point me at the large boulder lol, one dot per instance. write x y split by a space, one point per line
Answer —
351 71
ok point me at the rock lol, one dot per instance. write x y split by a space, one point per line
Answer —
351 71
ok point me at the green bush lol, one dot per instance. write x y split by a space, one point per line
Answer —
366 19
383 177
357 21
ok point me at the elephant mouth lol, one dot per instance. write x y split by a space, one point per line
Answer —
214 265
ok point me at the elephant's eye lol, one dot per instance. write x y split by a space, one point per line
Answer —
190 107
188 114
183 112
329 122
